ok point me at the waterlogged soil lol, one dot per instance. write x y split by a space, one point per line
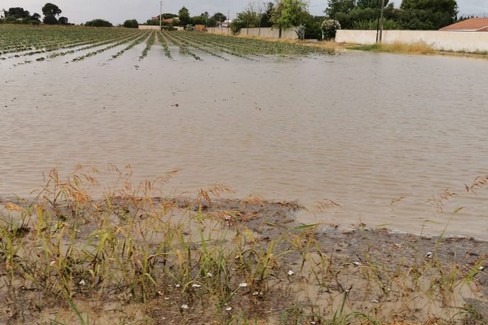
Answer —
372 275
362 141
383 136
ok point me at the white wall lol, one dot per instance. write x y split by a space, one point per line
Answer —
219 30
149 27
257 32
269 33
438 40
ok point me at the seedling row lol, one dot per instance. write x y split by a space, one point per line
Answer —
17 42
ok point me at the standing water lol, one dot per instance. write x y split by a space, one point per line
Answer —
386 140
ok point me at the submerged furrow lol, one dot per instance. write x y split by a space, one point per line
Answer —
149 43
226 48
104 49
164 42
183 47
137 41
200 46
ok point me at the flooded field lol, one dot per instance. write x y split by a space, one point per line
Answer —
385 140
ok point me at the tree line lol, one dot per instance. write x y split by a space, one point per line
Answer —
346 14
16 15
283 14
412 14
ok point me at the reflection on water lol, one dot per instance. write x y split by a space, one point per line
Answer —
380 135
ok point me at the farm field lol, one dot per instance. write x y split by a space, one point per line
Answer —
182 177
27 44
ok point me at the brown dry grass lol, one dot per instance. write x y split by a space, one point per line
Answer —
137 258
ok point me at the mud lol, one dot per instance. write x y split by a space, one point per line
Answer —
383 275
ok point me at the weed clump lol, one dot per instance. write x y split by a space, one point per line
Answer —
73 254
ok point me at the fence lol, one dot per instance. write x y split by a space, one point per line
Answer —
257 32
149 27
438 40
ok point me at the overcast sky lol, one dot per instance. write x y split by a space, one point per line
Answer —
117 11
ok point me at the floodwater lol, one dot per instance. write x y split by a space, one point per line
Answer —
383 136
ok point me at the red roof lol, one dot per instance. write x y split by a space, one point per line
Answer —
469 25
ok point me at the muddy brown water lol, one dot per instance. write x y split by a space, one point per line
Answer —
380 135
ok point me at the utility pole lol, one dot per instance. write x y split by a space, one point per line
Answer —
160 15
381 19
379 26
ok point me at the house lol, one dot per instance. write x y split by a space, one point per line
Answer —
226 23
468 25
149 27
167 21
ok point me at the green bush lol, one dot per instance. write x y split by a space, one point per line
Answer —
131 23
329 28
388 24
236 26
98 23
50 20
170 28
312 27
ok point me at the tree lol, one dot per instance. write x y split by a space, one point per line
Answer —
339 6
50 12
246 19
446 6
168 15
36 16
205 17
428 14
371 3
63 21
50 20
288 13
211 22
219 17
249 17
50 9
329 28
131 23
19 15
16 13
98 23
184 16
267 15
197 20
313 29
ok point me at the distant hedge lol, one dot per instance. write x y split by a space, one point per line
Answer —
98 23
131 23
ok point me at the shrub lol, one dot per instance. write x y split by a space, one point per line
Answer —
98 23
131 23
388 24
300 30
50 20
329 28
170 28
236 26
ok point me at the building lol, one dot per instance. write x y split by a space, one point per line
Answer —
226 23
167 21
468 25
149 27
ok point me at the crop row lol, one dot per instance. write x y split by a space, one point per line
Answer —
18 38
26 41
250 46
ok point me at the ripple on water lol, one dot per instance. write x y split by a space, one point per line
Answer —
363 130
